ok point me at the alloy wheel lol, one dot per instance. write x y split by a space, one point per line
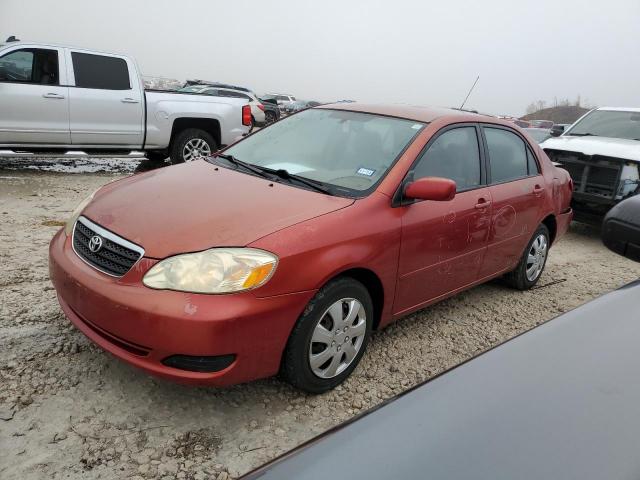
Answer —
536 257
195 148
337 338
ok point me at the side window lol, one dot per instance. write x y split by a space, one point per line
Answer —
31 65
455 155
532 165
98 71
507 155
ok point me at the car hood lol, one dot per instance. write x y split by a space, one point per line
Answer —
198 205
610 147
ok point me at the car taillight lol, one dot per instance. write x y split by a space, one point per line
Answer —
246 115
261 107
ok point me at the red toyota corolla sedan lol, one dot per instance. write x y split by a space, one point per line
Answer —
284 252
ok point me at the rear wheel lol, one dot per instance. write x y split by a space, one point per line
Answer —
269 117
330 337
192 144
533 261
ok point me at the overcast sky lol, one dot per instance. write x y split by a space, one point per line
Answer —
418 52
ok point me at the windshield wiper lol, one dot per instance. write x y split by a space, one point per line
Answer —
284 174
245 165
582 135
270 173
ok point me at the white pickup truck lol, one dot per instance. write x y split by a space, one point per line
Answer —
601 152
57 99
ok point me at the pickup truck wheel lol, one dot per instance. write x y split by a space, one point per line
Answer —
192 144
533 261
330 337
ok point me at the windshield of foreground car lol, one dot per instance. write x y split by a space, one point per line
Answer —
345 149
608 123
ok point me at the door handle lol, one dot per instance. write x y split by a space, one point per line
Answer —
482 203
129 100
53 95
537 190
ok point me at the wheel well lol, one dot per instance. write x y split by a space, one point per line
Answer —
209 125
550 223
373 284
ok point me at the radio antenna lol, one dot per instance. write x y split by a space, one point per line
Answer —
472 87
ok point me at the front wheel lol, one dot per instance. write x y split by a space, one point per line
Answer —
192 144
533 261
330 337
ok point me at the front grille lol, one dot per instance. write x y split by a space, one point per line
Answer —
594 175
115 256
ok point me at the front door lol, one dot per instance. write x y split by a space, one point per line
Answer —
443 243
34 101
516 185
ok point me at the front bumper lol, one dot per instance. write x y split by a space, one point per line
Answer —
144 327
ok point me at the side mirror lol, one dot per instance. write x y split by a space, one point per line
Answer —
621 228
431 188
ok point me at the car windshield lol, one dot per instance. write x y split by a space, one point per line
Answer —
348 150
608 123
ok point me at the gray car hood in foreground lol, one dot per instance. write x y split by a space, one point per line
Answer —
559 402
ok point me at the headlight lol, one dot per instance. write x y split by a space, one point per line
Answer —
68 228
219 270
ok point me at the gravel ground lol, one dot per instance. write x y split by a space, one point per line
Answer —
69 410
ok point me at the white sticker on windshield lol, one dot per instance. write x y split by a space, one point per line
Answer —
366 171
416 126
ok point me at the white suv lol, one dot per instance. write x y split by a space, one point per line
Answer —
282 99
257 109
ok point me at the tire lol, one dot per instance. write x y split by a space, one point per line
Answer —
523 279
194 137
269 117
339 297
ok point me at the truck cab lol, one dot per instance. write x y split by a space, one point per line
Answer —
49 96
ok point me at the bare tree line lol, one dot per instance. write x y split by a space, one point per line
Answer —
542 104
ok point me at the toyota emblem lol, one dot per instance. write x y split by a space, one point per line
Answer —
95 244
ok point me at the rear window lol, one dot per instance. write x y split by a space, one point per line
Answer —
99 71
507 155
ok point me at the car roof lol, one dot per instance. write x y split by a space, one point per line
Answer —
620 109
26 44
410 112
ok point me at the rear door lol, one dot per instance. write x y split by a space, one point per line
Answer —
106 104
516 188
34 98
443 243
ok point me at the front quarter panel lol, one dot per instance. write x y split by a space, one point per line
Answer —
363 235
